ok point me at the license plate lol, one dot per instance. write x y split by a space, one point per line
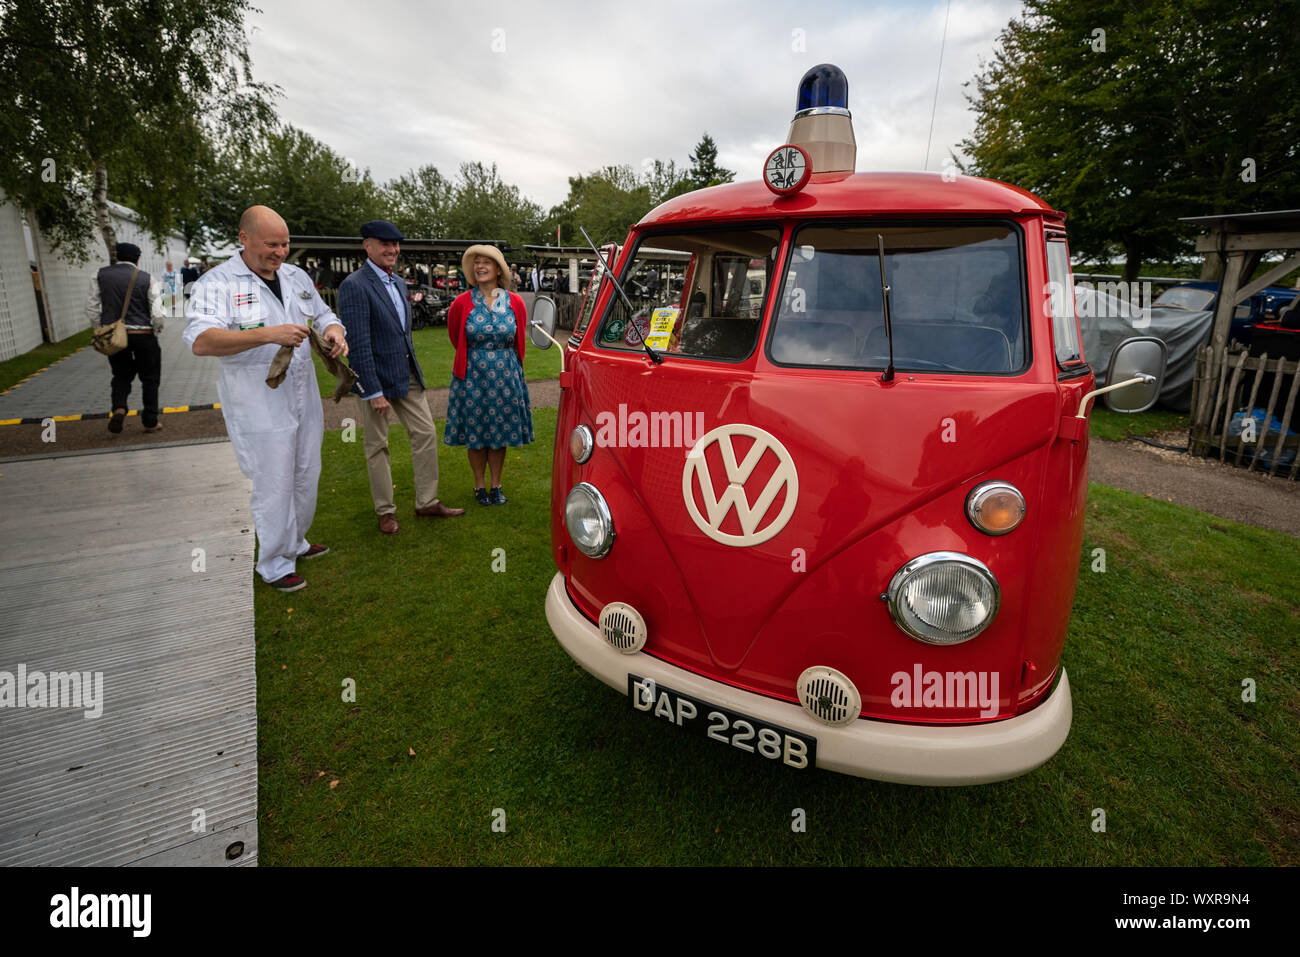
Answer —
736 730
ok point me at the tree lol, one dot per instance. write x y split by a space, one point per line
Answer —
483 206
135 91
418 201
705 170
607 202
664 181
317 191
1129 115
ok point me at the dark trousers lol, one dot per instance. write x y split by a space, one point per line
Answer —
143 357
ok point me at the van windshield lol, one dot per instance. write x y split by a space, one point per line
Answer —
956 299
696 293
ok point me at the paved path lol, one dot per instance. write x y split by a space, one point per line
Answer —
1205 484
98 575
79 384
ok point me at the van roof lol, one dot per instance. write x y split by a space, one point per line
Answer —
839 194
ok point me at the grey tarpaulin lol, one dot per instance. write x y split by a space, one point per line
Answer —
1106 323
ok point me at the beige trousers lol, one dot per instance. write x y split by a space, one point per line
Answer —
412 410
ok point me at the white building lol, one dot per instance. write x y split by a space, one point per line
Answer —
64 283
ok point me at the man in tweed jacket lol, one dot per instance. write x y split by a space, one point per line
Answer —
372 304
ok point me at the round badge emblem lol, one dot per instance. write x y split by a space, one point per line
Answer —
787 169
750 503
613 331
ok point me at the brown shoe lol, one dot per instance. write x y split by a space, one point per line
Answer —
156 427
438 510
388 525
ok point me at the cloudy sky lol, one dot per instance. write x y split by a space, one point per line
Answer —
547 90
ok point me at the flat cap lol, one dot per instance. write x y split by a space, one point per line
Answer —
127 252
380 229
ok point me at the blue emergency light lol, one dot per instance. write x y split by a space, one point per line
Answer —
824 89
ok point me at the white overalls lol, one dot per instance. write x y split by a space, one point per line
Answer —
276 433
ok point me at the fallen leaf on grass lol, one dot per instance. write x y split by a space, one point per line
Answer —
334 784
412 750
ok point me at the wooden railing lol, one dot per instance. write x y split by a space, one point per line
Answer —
1237 383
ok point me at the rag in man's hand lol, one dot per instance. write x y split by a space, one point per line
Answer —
340 369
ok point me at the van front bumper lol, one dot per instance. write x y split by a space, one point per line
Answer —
883 750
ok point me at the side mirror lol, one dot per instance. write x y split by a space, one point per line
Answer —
1143 358
541 324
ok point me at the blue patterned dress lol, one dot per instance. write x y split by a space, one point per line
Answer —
489 408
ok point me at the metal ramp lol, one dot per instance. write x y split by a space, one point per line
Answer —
98 575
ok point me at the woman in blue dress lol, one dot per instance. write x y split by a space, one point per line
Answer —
488 408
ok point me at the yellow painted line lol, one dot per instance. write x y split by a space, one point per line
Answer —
11 421
65 418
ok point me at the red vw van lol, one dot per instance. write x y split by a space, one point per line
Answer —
821 462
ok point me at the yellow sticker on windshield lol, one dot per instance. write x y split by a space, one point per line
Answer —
662 321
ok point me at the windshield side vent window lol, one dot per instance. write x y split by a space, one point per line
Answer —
1060 300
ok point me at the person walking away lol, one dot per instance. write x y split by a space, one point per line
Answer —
124 283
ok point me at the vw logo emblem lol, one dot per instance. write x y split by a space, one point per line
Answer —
751 505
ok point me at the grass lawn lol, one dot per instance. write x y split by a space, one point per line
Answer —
1105 424
435 354
13 371
465 703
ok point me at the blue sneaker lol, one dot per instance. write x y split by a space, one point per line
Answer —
498 496
481 496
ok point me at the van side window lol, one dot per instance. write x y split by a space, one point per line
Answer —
956 298
1060 299
608 253
696 293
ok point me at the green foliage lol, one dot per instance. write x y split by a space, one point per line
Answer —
121 99
1155 126
418 202
705 170
608 201
483 206
316 190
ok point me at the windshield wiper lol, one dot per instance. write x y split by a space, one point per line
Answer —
888 374
609 269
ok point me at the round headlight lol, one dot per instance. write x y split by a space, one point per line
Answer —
581 443
943 598
995 508
588 520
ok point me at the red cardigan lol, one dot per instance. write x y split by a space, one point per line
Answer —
456 318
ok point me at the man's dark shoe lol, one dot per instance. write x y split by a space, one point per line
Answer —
481 496
116 420
498 497
438 510
388 525
288 583
316 551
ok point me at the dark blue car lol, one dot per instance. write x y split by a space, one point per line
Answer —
1264 306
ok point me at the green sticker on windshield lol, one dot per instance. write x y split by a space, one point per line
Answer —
613 330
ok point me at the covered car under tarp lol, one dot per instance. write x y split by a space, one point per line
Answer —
1107 321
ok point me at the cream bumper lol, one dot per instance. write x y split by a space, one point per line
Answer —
885 751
